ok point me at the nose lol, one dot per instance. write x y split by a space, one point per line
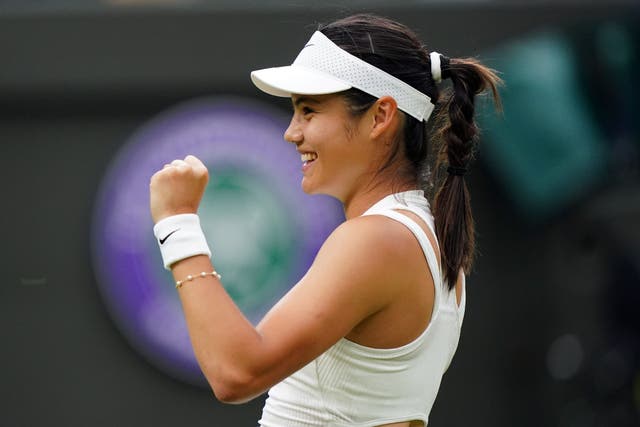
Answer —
293 134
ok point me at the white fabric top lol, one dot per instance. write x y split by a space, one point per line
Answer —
358 386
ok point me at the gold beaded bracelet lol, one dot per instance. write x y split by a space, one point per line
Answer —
203 274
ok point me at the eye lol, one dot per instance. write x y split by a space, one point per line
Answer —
307 110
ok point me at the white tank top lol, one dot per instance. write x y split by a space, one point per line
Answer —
358 386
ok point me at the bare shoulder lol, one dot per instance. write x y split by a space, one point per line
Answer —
376 245
385 233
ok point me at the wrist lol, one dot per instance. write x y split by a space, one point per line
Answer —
179 237
164 215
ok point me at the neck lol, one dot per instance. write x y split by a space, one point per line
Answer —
358 203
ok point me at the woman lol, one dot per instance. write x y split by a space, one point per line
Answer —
366 335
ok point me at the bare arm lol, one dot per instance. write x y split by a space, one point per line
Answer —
345 285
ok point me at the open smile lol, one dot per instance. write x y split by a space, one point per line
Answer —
307 159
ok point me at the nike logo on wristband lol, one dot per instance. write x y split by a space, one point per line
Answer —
167 236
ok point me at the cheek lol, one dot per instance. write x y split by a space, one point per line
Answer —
339 147
347 161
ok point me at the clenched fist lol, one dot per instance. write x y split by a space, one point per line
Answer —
177 188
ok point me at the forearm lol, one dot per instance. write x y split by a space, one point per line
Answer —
226 344
232 354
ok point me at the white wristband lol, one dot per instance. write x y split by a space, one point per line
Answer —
180 237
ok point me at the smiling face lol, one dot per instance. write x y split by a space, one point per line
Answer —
338 156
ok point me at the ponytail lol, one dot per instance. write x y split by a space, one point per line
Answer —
395 49
459 135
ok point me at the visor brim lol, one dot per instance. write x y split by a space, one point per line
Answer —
292 79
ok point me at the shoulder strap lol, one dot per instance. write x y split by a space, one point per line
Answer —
412 201
427 218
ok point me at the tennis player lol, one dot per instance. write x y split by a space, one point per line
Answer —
364 338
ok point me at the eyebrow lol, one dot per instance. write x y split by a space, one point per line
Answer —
305 99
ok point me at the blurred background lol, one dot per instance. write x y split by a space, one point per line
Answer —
552 329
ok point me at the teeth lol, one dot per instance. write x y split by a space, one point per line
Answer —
307 157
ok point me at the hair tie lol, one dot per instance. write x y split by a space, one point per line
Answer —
440 69
453 170
436 68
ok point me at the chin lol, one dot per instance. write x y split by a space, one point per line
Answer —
311 190
308 189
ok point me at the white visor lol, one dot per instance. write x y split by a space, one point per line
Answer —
322 68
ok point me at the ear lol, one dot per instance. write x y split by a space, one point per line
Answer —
385 117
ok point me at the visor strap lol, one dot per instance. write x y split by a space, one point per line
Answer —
323 55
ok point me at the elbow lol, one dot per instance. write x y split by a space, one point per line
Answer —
230 397
231 394
233 388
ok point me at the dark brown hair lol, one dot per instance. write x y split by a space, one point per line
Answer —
396 49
